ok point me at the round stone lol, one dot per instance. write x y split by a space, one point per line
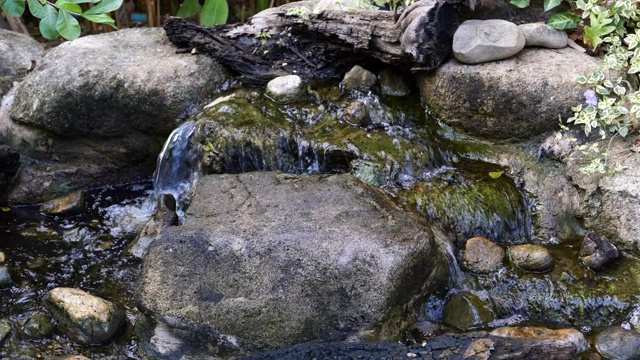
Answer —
531 257
482 256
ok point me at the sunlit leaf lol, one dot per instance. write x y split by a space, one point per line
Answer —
37 9
564 21
5 209
105 6
189 8
67 25
520 3
214 12
69 6
48 23
100 19
13 7
550 4
495 174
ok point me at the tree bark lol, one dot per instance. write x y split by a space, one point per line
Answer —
323 46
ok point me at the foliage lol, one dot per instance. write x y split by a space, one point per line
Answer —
299 12
61 18
213 12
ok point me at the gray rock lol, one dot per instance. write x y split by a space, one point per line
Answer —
569 336
543 35
5 278
97 110
84 318
17 54
356 113
276 259
392 83
466 310
38 326
556 146
71 204
3 257
617 343
478 41
359 78
5 330
163 217
286 89
597 251
511 99
531 257
482 256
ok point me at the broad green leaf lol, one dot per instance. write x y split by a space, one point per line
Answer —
189 8
564 21
67 25
69 6
550 4
5 209
520 3
214 12
13 7
48 23
581 80
100 19
623 131
495 174
105 6
37 9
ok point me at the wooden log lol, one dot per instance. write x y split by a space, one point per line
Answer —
275 42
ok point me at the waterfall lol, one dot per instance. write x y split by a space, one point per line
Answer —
179 166
457 278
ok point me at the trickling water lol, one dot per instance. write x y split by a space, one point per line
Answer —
457 278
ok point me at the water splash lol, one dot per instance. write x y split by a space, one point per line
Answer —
457 278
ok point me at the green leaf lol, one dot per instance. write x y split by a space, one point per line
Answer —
189 8
495 174
5 209
520 3
67 25
623 131
100 19
564 21
550 4
69 6
84 1
13 7
37 9
214 12
48 23
105 6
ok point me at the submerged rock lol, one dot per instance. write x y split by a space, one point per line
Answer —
572 337
105 122
5 278
359 78
85 318
392 83
38 326
597 251
478 41
5 330
617 343
19 53
466 310
286 89
517 98
482 256
275 259
531 257
71 204
543 35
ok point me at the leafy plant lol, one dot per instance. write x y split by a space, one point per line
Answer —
213 12
60 18
299 12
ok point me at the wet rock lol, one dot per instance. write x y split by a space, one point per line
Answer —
71 204
3 257
163 217
482 256
106 122
466 310
80 234
359 78
85 318
392 83
634 318
572 337
5 330
38 326
5 278
276 259
286 89
478 41
356 113
9 165
531 257
543 35
18 53
71 357
556 147
516 98
597 251
617 343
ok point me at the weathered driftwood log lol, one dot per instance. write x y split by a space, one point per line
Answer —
273 43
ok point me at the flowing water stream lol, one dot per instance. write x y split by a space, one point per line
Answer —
399 148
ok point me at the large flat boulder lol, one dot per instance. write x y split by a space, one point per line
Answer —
98 109
17 52
266 260
515 98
